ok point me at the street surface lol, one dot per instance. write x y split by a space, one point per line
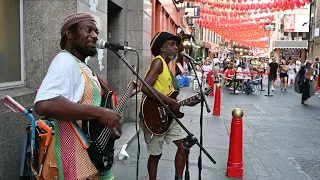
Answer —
280 139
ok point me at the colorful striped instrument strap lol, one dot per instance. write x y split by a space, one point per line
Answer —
76 128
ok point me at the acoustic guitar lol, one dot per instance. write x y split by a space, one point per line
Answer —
156 120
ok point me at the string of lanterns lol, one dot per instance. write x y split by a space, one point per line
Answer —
231 19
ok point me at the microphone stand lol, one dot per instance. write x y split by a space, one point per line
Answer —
190 139
203 100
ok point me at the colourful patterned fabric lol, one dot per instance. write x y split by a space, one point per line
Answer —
72 159
106 89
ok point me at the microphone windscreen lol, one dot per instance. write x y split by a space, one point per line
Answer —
100 44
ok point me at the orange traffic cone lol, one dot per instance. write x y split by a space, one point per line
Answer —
217 101
235 164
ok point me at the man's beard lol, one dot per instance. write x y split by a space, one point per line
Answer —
82 49
171 57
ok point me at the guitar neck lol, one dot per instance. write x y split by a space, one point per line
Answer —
124 99
183 102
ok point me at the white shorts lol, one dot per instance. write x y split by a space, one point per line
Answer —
155 142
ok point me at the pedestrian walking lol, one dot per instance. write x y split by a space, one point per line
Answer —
283 75
303 82
291 73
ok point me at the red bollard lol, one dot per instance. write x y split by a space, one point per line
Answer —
317 83
217 101
212 86
235 164
209 79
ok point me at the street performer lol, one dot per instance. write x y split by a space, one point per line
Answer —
71 91
164 47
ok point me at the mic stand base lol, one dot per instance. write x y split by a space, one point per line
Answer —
188 142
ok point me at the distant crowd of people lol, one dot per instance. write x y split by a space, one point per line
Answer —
290 73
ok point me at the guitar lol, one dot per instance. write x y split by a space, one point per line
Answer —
101 149
155 117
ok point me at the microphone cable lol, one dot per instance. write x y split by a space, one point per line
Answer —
136 118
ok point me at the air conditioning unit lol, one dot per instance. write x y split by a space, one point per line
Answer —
298 38
287 38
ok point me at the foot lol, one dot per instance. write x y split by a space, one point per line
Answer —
272 89
178 178
302 102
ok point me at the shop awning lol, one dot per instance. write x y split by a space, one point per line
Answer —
284 44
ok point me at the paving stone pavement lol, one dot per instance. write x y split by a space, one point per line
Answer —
280 139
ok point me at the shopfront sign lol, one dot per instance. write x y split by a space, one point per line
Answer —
270 27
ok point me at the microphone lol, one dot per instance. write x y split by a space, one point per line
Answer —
102 44
183 53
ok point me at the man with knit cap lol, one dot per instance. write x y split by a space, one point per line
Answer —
164 47
70 92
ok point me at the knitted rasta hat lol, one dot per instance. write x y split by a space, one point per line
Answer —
74 19
159 39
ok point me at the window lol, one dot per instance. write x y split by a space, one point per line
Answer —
11 66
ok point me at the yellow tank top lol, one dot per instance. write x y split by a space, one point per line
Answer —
163 83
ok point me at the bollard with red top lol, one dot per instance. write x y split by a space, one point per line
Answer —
209 79
211 75
317 83
235 164
217 101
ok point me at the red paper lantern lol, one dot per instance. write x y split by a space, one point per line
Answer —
252 6
238 6
233 6
257 6
274 4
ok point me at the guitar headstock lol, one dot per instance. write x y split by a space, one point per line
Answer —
207 90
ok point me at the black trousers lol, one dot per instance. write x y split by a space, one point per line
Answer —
305 88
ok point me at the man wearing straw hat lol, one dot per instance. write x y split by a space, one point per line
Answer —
164 47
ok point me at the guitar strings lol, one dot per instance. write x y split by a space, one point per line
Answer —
105 134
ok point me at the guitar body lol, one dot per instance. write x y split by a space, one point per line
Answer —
155 117
100 155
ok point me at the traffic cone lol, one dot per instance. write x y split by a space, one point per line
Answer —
235 164
217 101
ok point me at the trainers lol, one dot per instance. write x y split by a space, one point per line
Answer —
272 89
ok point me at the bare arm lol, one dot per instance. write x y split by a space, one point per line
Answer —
63 109
151 77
